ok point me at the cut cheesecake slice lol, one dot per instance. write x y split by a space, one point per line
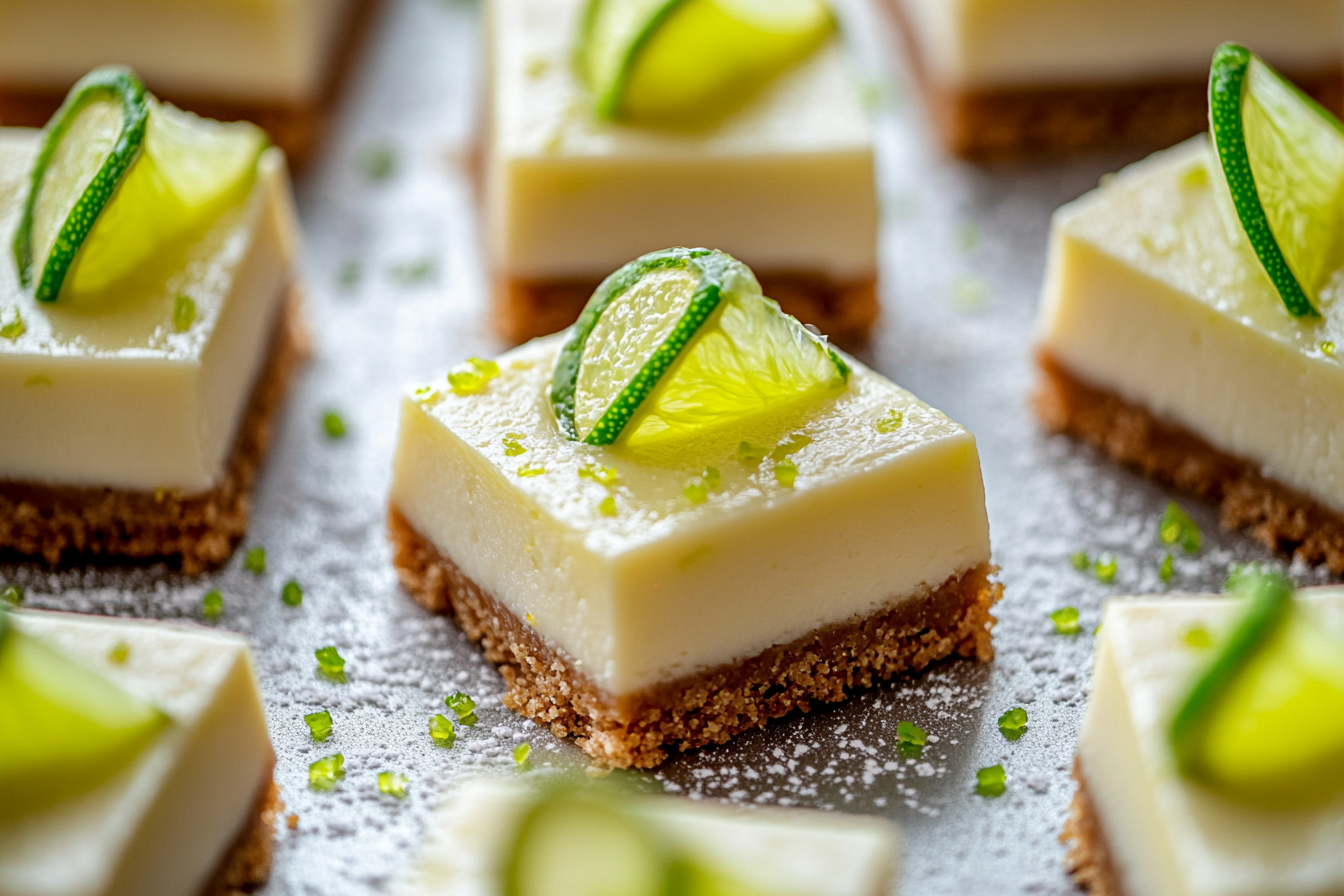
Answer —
1014 78
785 183
645 603
1163 342
193 812
279 63
134 429
478 841
1138 827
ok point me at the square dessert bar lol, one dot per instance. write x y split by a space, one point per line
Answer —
126 433
1138 827
641 611
785 184
278 63
1163 343
1017 77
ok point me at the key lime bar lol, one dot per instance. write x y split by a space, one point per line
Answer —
135 760
140 395
1018 77
676 569
783 180
1249 804
496 837
279 63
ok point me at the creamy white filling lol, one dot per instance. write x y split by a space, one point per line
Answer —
667 588
1151 291
785 184
982 44
1169 837
122 398
776 851
161 827
273 51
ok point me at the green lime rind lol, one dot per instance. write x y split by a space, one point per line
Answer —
1228 78
1269 599
123 84
610 86
564 384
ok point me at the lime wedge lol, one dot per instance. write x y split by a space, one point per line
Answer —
681 342
675 60
64 728
118 179
1265 722
1282 157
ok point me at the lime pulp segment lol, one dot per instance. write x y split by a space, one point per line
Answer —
1282 157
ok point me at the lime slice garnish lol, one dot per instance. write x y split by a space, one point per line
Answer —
681 342
64 728
119 178
1282 156
1264 723
670 60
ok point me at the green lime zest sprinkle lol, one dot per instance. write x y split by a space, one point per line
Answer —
254 561
441 729
1166 570
1198 637
748 453
378 161
528 470
1081 561
521 753
1195 176
513 445
991 781
1327 348
184 312
15 328
461 704
471 376
711 478
333 425
329 661
606 476
607 506
695 491
1065 620
291 595
319 724
325 772
1013 723
1176 527
786 472
12 595
910 739
786 449
424 394
393 784
119 654
1105 569
212 605
891 422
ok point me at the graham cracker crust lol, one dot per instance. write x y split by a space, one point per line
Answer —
247 866
843 310
198 530
1088 859
1277 516
710 707
1019 122
297 128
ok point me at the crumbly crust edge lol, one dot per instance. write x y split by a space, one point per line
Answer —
201 530
708 708
1279 517
247 865
1088 859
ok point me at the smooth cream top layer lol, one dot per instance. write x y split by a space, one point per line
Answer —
667 588
987 44
120 398
162 826
1153 292
1167 836
267 51
797 852
785 184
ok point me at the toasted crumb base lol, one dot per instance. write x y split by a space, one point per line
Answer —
297 128
1277 516
709 708
200 530
843 310
1088 859
985 125
247 866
